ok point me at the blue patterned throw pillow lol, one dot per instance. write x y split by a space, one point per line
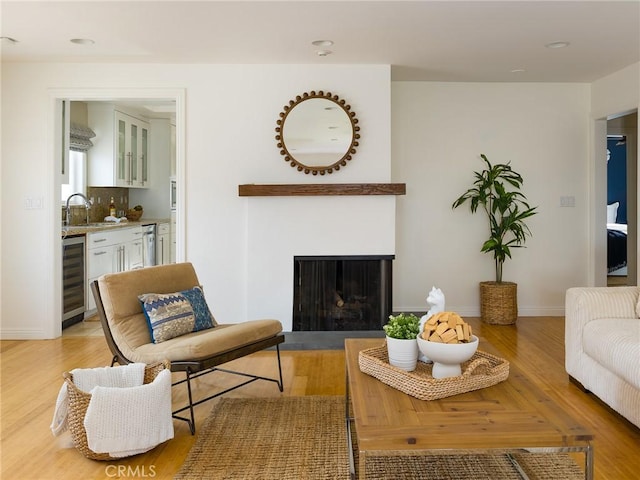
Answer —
171 315
203 317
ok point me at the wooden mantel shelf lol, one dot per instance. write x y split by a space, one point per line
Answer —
316 189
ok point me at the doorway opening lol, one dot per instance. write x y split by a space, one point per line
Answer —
132 98
622 212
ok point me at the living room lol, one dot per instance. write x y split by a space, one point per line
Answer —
426 134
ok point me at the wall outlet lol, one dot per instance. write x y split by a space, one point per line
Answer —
568 201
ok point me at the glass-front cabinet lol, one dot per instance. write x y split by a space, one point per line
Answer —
120 156
144 151
122 151
133 138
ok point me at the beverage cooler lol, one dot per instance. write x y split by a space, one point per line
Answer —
73 284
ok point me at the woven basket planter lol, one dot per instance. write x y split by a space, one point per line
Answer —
499 303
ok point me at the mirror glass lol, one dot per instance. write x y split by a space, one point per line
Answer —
317 133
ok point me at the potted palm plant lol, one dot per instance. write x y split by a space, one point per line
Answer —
496 190
402 344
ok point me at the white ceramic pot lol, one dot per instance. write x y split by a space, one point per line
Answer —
403 353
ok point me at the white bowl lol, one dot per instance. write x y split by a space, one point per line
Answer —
447 357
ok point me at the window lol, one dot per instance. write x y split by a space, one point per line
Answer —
77 177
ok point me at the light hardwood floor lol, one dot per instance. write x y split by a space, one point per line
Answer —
32 375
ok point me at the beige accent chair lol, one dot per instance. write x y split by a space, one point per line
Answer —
194 354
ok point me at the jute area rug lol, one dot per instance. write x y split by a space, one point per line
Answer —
304 438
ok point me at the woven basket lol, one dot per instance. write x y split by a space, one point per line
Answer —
499 302
79 402
134 215
482 370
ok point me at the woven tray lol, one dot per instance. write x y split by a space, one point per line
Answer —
482 370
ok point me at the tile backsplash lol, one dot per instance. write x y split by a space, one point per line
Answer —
101 197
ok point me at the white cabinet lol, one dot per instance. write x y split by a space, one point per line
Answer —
111 251
163 252
120 155
134 249
132 151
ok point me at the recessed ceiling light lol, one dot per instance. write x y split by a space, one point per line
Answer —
322 43
8 40
82 41
557 44
518 70
323 53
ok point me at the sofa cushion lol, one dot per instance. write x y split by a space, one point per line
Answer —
171 315
615 344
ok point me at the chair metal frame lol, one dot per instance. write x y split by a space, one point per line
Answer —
196 368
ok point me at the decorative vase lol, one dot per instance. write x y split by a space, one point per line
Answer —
499 302
403 353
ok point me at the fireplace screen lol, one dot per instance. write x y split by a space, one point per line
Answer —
341 293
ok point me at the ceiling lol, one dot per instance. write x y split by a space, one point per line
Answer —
467 41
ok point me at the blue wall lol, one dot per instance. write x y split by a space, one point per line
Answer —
617 177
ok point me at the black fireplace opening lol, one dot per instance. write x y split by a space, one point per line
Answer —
341 293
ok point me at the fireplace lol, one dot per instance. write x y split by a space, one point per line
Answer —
341 293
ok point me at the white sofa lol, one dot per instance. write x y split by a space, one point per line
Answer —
602 345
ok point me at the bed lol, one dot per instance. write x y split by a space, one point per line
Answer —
616 242
616 248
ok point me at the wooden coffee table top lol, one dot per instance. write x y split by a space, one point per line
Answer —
512 414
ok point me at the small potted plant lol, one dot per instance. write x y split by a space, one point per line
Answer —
402 346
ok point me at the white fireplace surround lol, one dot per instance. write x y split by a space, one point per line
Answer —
279 228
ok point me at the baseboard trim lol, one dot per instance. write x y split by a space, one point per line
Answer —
19 334
474 311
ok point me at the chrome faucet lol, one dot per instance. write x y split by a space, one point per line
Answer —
87 205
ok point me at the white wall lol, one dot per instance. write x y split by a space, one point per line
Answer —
616 93
231 114
155 198
438 132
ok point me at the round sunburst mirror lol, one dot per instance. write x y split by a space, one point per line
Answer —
317 133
